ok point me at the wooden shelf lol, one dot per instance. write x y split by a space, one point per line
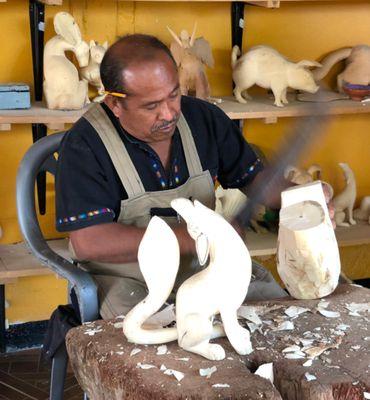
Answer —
17 261
265 244
259 108
39 114
263 107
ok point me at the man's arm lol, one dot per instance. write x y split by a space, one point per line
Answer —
117 243
272 196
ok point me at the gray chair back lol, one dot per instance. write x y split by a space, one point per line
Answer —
40 157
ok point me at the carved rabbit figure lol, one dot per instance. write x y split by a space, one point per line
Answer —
91 73
266 67
344 201
219 288
191 56
62 86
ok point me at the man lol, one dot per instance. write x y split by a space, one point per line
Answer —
126 159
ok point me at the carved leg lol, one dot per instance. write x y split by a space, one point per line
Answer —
238 95
194 336
238 336
350 215
245 95
278 94
339 218
283 96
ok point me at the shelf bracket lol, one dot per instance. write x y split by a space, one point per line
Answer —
237 28
267 3
37 26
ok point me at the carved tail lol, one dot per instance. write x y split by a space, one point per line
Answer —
234 56
329 61
159 259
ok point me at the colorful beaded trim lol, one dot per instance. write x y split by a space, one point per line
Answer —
250 170
85 215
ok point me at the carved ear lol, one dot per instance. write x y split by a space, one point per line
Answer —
92 44
202 247
105 45
308 64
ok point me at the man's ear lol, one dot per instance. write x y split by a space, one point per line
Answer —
202 247
114 104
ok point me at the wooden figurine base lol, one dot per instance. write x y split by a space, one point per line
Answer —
100 357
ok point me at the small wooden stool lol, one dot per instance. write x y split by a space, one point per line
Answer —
103 364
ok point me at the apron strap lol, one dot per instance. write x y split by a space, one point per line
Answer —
191 154
117 151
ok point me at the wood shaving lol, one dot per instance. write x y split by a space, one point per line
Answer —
177 374
294 311
161 350
291 349
249 313
134 351
329 314
220 385
308 363
266 371
207 372
145 366
310 377
294 356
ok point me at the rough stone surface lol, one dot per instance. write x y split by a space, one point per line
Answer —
105 369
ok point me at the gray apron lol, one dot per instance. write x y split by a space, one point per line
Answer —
122 286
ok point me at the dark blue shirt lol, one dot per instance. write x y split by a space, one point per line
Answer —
89 191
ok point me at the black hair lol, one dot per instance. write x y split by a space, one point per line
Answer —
125 51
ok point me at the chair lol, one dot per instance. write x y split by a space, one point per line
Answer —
40 157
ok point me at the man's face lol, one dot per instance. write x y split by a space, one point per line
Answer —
152 108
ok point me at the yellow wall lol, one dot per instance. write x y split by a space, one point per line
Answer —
306 30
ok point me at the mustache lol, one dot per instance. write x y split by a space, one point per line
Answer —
165 124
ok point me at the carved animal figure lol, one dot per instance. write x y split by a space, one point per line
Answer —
357 70
363 213
230 201
91 73
266 67
191 56
219 288
300 176
62 87
344 201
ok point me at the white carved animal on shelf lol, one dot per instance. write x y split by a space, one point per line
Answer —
220 288
344 202
357 69
192 55
266 67
301 176
308 255
63 88
91 73
229 202
363 213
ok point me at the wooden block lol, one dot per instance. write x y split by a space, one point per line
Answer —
56 126
267 3
5 127
270 120
52 2
104 368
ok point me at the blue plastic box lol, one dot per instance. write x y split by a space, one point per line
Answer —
14 96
